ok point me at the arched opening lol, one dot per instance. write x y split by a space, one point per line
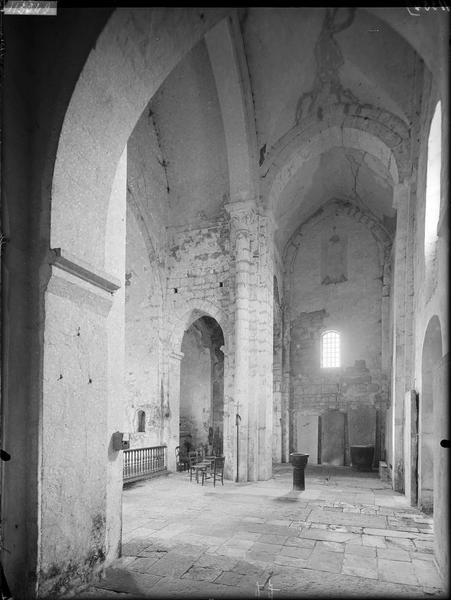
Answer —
428 442
141 421
202 387
128 65
330 350
277 446
432 209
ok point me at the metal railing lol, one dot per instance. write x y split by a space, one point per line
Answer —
141 463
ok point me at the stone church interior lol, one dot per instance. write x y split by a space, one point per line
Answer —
223 228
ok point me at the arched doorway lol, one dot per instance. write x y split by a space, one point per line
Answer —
428 443
202 387
84 299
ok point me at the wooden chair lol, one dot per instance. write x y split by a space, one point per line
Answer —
192 462
215 472
180 460
204 466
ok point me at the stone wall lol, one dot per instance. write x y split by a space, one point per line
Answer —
196 277
198 265
341 291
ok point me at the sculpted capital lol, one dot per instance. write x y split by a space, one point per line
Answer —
242 214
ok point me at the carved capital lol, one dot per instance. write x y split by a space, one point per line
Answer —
242 214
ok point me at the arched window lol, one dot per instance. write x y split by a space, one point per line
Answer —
432 211
141 421
330 349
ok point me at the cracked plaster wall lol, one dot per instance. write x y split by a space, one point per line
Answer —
143 338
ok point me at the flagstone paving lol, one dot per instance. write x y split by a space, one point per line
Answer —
181 539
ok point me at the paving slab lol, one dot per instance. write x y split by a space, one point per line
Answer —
231 551
324 534
121 580
373 540
389 533
142 565
172 565
347 535
426 576
361 550
394 554
272 538
331 546
396 572
324 560
301 542
296 552
404 543
305 583
199 573
347 518
290 561
361 566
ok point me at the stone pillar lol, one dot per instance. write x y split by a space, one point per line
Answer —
80 486
285 409
242 220
385 309
277 385
440 377
229 438
262 356
115 253
401 203
171 408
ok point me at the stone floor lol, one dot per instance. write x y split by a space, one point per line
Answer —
347 535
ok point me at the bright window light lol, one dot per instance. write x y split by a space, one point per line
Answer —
433 184
330 349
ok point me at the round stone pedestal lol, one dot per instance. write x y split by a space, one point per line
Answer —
299 462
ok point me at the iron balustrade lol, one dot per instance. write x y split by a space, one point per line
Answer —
141 463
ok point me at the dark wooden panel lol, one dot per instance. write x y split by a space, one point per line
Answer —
333 438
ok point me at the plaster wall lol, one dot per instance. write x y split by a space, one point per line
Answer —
74 417
82 407
146 182
41 66
143 337
432 300
192 141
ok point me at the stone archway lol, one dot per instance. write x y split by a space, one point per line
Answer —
84 300
179 323
428 442
202 387
383 242
384 136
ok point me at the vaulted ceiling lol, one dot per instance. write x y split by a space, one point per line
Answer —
300 62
